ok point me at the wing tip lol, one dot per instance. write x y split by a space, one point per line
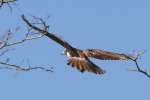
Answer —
101 72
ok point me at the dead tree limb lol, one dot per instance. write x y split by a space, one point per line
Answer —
5 43
138 68
22 68
5 46
8 2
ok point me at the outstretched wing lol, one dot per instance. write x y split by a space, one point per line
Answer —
46 33
83 64
105 55
58 40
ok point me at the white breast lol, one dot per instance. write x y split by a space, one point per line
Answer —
68 54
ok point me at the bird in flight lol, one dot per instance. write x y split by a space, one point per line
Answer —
80 58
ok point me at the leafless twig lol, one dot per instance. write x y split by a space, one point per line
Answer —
2 2
24 40
5 43
138 68
22 68
7 2
4 52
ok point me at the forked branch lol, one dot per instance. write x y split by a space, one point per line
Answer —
138 68
22 68
5 46
7 2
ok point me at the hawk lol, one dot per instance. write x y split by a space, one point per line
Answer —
80 58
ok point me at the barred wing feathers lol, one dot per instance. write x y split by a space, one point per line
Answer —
83 64
105 55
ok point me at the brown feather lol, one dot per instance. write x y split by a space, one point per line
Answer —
83 64
105 55
80 66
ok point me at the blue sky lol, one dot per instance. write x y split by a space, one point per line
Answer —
115 25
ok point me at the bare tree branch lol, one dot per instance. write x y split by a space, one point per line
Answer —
41 29
24 40
7 2
141 70
4 52
22 68
2 2
5 43
138 68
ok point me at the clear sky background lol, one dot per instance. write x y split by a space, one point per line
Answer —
114 25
